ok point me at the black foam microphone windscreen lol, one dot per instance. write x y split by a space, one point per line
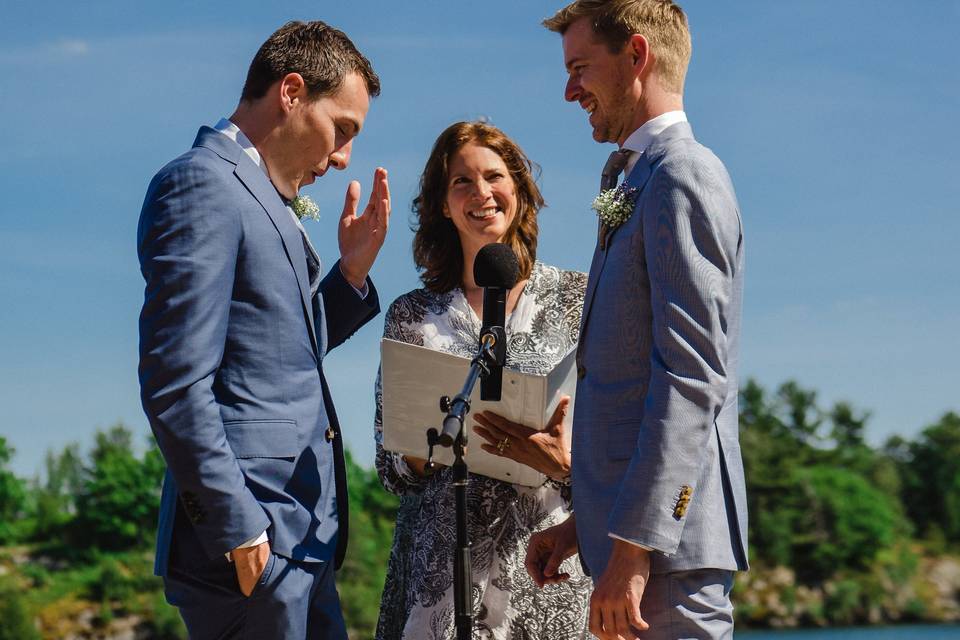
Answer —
496 266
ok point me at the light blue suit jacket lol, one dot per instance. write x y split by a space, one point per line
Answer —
231 353
656 411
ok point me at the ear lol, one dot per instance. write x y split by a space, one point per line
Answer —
293 88
639 50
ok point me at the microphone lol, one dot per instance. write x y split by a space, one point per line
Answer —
496 270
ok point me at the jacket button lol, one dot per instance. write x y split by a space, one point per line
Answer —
581 372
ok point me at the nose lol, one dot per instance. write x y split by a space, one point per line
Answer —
483 189
571 92
340 158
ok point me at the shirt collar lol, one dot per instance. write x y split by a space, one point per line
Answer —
640 140
233 132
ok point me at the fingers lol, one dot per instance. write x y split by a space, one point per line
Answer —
559 413
610 623
351 200
596 621
487 434
378 207
495 442
538 546
552 569
497 424
635 619
620 624
384 196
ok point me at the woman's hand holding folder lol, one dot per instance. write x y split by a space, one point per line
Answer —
545 450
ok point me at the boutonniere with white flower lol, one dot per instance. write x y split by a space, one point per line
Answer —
305 207
615 206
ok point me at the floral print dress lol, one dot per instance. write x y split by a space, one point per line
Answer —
417 601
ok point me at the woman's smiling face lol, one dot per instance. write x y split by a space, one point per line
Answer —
481 196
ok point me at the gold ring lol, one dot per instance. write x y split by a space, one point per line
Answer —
503 445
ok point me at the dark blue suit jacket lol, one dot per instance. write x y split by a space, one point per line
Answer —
231 363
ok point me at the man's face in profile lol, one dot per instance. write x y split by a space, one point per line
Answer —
599 81
324 128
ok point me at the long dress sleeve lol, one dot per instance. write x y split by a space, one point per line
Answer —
395 474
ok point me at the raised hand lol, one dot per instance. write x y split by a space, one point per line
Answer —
361 237
546 450
547 549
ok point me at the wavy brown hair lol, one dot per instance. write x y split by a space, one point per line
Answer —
436 246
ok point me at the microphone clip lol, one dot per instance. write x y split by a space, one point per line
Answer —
493 349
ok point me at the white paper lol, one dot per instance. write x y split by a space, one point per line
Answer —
414 378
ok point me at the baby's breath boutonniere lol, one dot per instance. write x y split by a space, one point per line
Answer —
614 206
304 207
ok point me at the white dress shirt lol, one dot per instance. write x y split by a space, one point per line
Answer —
640 139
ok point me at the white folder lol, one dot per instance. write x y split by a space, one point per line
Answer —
414 378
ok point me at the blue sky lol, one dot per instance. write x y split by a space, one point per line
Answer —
837 121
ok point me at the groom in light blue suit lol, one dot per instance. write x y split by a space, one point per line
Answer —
658 485
236 321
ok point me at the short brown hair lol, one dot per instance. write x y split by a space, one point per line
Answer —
662 22
320 53
436 245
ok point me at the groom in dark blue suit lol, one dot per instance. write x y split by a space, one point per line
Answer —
236 320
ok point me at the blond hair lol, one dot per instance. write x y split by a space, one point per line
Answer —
661 22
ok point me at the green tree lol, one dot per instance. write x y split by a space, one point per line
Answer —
118 505
774 435
931 467
55 498
847 426
801 461
12 496
15 621
845 524
372 518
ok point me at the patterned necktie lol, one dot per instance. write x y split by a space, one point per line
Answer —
613 168
609 178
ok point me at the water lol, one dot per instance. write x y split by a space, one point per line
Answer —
905 632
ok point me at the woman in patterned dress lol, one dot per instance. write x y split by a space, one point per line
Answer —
477 188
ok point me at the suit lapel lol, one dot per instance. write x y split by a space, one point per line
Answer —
637 180
259 186
256 182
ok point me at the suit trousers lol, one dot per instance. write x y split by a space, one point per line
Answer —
292 601
688 605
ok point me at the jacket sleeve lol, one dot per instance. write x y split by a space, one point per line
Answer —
188 242
692 234
395 474
344 311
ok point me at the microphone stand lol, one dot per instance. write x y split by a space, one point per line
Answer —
491 352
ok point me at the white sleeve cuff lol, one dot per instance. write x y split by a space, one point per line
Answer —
636 544
252 542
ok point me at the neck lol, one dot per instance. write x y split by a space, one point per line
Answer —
653 102
262 126
467 281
